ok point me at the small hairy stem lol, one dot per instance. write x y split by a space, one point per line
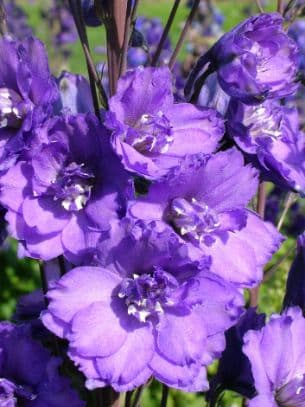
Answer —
134 11
183 34
288 202
270 272
260 208
94 79
165 33
259 6
128 22
280 6
165 392
261 200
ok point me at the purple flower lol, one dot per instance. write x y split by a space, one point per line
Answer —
29 375
297 33
151 30
17 20
75 94
236 376
269 133
254 61
27 91
60 200
61 21
163 317
150 133
277 357
205 203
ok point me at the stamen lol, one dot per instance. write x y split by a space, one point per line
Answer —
192 219
152 134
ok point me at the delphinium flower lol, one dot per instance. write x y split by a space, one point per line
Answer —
208 20
61 22
27 91
277 357
66 194
29 375
204 202
274 201
163 317
295 224
297 32
255 61
236 376
16 18
74 94
151 30
151 133
269 133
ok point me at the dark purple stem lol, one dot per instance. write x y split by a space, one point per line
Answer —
165 392
137 397
165 32
183 34
44 281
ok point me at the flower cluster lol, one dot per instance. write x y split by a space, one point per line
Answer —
143 212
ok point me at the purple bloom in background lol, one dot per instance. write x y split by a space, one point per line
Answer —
269 134
204 202
254 61
163 317
29 375
151 30
16 18
151 133
75 94
61 20
27 91
277 357
61 200
136 56
297 33
234 369
295 288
